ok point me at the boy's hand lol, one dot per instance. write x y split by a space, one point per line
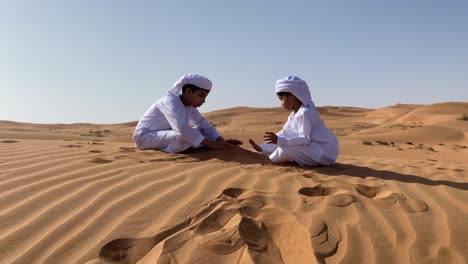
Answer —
271 137
234 142
255 145
217 144
230 141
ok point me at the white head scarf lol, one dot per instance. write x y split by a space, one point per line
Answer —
189 78
297 87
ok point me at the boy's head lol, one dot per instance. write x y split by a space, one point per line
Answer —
192 89
296 87
194 79
193 95
289 101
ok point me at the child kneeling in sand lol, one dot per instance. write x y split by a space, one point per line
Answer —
173 124
304 138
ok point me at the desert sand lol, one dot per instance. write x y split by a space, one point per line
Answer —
82 193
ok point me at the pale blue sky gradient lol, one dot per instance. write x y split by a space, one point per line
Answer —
108 61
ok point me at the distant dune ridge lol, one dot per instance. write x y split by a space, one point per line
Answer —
82 193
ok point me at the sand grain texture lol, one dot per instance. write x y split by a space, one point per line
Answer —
82 193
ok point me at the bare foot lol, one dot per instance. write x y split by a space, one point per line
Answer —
255 146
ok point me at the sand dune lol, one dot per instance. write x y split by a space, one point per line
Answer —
82 193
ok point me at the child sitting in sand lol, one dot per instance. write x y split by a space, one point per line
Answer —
173 124
304 138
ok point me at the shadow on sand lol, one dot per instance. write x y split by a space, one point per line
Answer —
339 169
236 154
245 156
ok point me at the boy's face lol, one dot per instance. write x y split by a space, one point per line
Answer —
287 101
197 98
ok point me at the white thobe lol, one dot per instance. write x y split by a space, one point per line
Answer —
172 127
304 139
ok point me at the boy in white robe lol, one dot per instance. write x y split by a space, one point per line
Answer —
304 138
173 124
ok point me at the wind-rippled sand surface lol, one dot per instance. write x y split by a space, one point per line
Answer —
82 193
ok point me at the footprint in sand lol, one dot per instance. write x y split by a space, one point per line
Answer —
224 241
131 250
391 199
219 226
408 204
206 221
251 232
367 191
324 240
233 192
216 220
261 248
316 191
339 200
9 141
237 224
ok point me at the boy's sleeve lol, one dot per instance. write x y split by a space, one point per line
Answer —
174 116
304 137
201 123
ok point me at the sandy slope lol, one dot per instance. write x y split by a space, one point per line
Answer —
82 193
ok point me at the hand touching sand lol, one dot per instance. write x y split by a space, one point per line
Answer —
217 144
234 142
220 143
255 145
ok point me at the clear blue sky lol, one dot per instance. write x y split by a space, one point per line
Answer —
102 61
